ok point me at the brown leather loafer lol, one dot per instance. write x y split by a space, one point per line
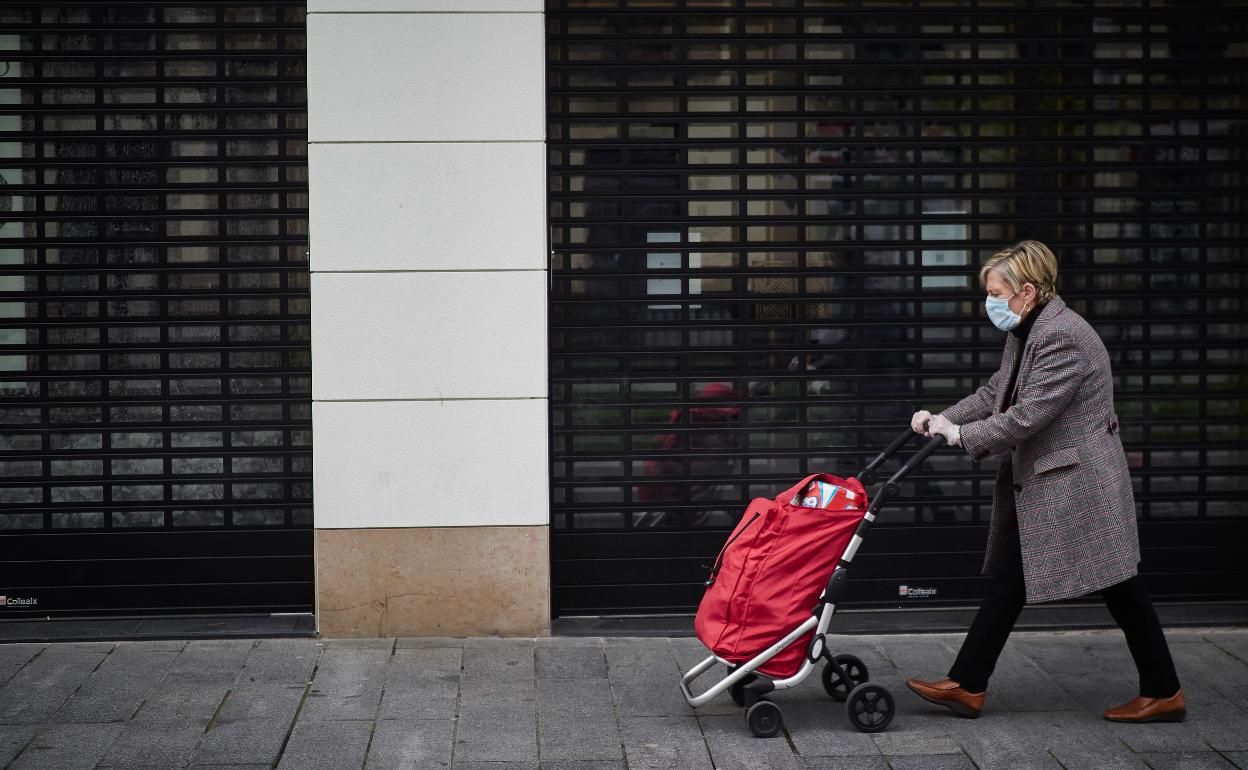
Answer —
947 692
1141 709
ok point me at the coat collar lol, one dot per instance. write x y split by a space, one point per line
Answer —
1015 347
1047 313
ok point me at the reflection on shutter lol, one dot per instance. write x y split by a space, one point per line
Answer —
767 220
155 402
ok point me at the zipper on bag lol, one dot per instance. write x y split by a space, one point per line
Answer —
715 567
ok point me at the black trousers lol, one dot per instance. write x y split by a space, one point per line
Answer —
1126 601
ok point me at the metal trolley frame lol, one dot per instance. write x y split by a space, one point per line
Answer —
869 706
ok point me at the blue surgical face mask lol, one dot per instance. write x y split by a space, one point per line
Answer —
1000 314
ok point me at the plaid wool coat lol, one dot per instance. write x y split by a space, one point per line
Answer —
1070 490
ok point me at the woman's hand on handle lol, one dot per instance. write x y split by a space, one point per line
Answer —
940 426
918 423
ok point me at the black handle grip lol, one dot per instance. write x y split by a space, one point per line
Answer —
897 443
902 439
918 457
915 460
868 473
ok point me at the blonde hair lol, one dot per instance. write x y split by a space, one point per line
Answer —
1025 262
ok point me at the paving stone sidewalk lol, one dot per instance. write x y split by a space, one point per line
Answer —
588 704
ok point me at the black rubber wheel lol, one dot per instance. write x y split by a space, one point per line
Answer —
764 719
835 684
737 691
870 707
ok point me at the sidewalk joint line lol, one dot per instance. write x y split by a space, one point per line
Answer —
459 690
307 688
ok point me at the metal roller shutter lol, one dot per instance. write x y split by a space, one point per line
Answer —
766 220
155 446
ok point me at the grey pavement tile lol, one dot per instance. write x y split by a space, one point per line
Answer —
686 642
1093 692
500 642
419 696
911 734
12 739
518 695
7 670
70 648
178 699
495 765
152 645
386 644
994 741
1232 642
597 764
413 689
674 743
1218 722
1187 760
294 644
1123 760
1238 758
154 744
1018 684
251 741
876 762
820 728
20 652
1076 739
261 700
118 687
570 662
329 745
494 660
67 747
281 663
653 691
1208 666
214 657
443 660
1068 732
578 737
932 762
33 694
230 767
499 734
633 654
423 642
348 685
574 696
734 747
1077 654
411 744
568 641
920 656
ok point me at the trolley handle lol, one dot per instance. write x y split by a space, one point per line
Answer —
867 476
918 457
889 488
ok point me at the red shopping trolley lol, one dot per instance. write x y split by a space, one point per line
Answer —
774 588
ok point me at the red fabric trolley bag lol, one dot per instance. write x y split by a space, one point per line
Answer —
771 570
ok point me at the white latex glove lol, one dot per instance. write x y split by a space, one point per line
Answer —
940 426
917 421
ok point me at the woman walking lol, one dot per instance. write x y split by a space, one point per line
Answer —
1063 515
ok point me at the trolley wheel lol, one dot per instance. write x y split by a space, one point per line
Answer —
870 707
835 684
764 719
737 691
